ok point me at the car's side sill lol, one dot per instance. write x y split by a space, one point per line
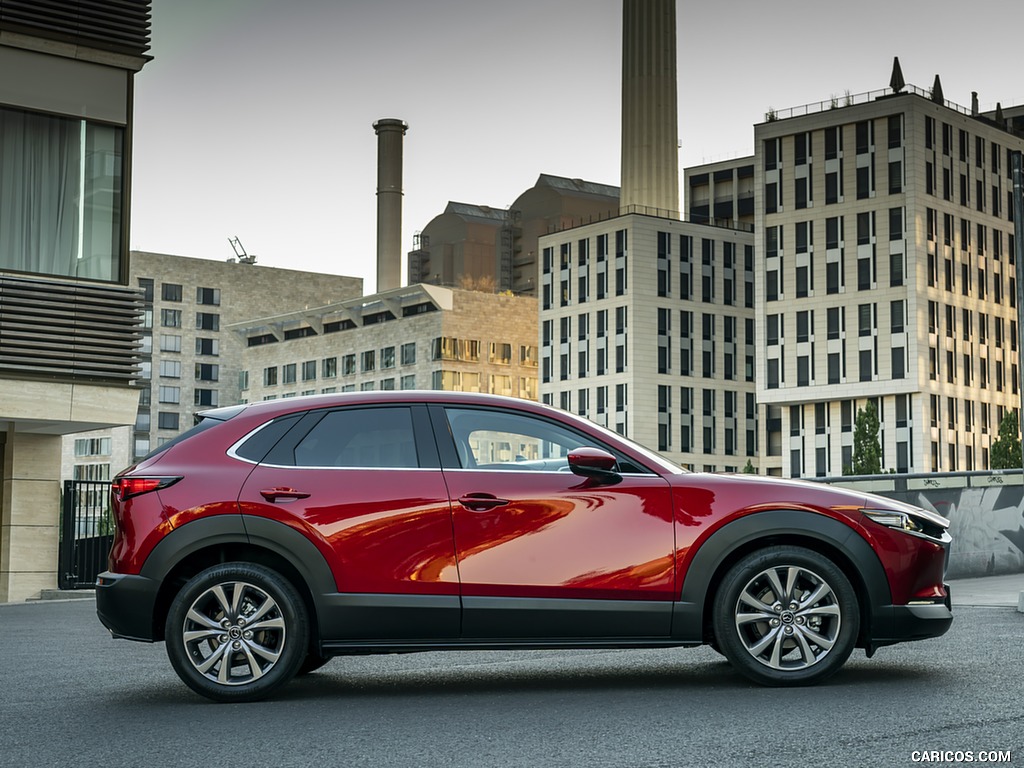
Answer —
415 646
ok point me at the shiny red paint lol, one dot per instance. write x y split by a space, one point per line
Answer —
380 530
564 536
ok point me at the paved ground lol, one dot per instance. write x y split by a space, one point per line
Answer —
71 696
990 590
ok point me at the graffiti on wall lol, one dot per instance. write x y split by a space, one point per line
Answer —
987 526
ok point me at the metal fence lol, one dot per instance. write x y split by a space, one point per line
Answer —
86 534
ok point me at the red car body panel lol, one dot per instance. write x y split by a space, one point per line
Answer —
563 536
379 530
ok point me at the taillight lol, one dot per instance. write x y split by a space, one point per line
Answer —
126 487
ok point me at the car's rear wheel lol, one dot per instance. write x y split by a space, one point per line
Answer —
237 632
786 615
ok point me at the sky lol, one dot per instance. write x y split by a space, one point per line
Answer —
254 118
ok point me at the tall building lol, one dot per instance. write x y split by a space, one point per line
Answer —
69 322
417 337
190 361
885 258
647 327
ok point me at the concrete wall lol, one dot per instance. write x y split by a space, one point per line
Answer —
985 509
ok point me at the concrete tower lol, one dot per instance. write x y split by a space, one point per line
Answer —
650 148
390 133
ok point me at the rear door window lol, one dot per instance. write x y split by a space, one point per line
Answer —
360 438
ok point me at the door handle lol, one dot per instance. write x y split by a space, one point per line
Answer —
481 502
278 494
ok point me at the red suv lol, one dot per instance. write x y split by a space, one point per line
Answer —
276 535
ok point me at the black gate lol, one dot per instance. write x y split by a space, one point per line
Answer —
86 533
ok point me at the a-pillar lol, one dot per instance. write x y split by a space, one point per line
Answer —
29 514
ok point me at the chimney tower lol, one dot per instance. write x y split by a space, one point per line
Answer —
650 143
390 134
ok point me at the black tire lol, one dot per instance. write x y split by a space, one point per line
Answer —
798 640
246 614
312 663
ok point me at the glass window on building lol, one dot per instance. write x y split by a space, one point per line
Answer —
207 397
170 342
409 353
502 353
210 296
207 372
207 321
170 369
57 220
309 370
169 395
288 373
93 446
209 347
167 420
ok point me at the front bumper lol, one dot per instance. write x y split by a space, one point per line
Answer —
912 622
125 605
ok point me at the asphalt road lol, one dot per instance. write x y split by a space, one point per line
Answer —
70 696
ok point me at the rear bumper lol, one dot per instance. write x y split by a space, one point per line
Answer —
125 605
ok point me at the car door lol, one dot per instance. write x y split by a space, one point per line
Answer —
364 484
543 552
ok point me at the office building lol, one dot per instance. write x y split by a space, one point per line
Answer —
416 337
190 362
69 320
886 272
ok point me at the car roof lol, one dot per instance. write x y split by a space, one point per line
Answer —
279 406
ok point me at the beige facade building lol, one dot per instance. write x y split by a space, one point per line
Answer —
68 320
647 327
417 337
885 264
190 361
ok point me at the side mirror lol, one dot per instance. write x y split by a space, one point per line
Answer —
594 463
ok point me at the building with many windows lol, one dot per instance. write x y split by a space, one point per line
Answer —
416 337
190 361
885 256
68 318
647 327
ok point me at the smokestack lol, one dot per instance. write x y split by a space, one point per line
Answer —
650 143
390 133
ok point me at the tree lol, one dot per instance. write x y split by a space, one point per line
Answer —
867 452
749 468
1005 450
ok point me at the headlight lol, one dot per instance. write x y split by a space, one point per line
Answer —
915 525
892 519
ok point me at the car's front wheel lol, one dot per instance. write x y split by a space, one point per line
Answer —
786 615
237 632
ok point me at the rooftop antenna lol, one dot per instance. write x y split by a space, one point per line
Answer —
240 254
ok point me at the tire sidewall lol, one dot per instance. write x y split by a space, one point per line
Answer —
296 644
737 578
